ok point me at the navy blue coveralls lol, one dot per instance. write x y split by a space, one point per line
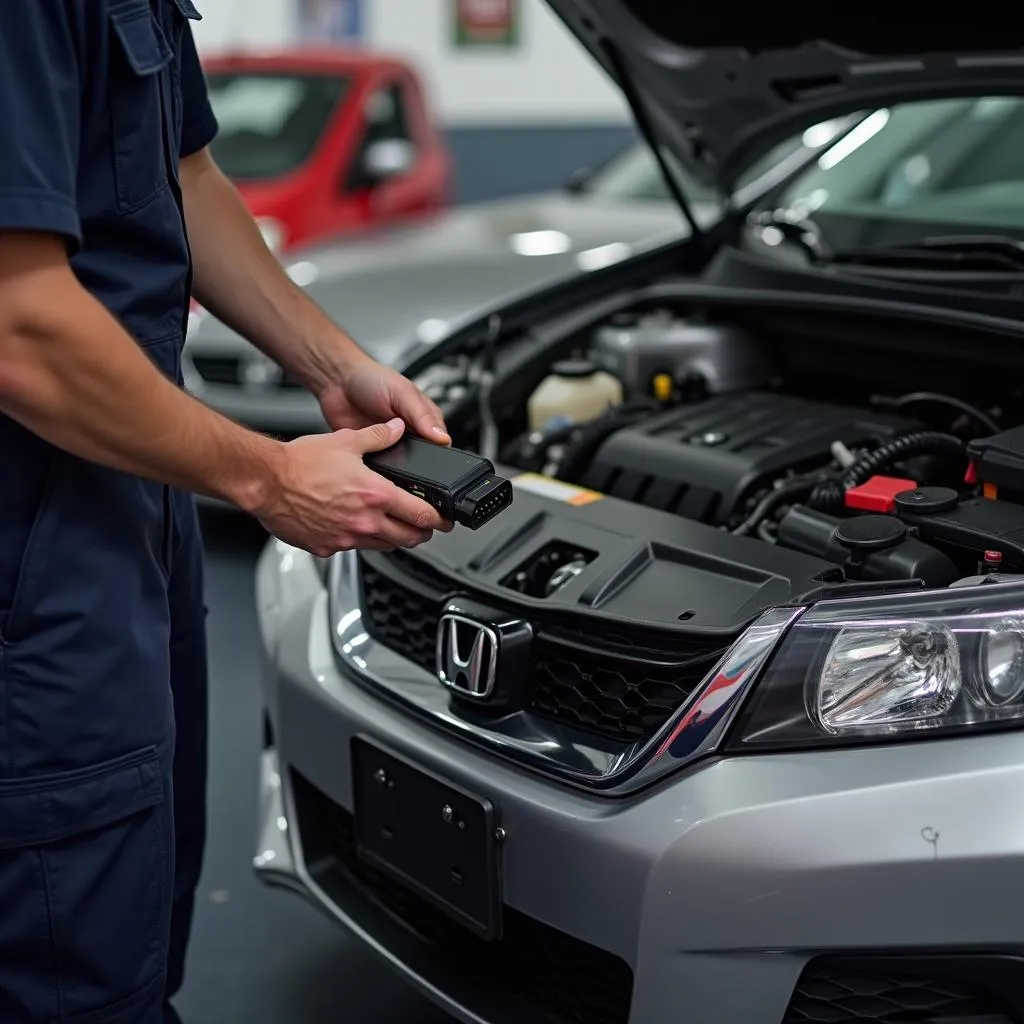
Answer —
102 640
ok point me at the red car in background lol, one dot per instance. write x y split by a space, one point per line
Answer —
326 142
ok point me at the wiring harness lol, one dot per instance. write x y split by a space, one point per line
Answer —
830 495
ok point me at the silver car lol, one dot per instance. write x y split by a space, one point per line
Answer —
407 288
410 286
718 722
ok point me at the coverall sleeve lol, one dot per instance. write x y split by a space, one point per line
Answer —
40 98
198 123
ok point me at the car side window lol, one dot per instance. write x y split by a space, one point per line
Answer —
388 145
387 115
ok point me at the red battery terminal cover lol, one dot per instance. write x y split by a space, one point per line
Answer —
878 494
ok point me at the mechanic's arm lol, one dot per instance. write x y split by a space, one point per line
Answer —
240 281
68 371
72 375
236 277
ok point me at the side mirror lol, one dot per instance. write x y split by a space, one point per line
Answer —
577 181
388 158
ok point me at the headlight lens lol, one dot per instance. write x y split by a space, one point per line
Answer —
196 315
1000 676
893 669
273 232
889 673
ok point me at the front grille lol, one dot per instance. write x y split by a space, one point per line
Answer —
840 992
535 969
621 688
403 618
620 698
217 369
229 371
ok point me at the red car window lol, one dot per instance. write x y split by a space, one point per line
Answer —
270 123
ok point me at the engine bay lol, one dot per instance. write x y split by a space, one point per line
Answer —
831 473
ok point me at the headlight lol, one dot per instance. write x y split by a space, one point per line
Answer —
273 232
323 568
892 669
196 315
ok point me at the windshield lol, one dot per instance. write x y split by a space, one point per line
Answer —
270 124
941 167
634 176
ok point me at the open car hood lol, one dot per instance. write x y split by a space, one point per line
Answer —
720 85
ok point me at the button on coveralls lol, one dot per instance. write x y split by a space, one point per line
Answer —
101 615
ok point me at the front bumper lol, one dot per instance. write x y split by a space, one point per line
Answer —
718 892
216 369
291 413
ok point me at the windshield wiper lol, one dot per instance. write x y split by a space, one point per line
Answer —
777 226
982 254
957 253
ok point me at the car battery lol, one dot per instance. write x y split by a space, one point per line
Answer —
997 464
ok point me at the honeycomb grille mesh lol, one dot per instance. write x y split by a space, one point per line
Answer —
617 697
834 994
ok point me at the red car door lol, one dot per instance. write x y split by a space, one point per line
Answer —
321 145
398 168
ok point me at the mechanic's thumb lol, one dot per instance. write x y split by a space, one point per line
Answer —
379 436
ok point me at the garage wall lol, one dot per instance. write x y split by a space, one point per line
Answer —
547 78
517 120
241 24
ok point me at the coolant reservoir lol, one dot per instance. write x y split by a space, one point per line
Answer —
574 392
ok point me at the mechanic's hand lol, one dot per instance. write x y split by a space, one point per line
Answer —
329 501
370 393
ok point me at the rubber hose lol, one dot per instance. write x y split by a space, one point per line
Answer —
830 495
978 415
577 455
533 457
770 502
489 437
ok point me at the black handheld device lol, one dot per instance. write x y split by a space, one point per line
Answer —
462 486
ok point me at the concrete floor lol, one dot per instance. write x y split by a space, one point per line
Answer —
258 955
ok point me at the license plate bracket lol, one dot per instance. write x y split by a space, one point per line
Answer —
436 838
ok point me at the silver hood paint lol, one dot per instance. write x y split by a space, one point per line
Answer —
382 289
722 85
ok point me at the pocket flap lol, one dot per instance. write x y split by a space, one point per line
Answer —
189 9
44 808
141 39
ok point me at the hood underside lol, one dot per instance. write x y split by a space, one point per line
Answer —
721 86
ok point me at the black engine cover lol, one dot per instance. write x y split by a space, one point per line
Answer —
702 460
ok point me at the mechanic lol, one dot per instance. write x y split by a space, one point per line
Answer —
102 647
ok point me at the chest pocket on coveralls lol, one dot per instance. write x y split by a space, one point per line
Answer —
139 52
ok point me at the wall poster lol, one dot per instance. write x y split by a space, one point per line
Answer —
486 23
330 21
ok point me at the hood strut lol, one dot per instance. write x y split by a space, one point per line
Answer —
643 122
